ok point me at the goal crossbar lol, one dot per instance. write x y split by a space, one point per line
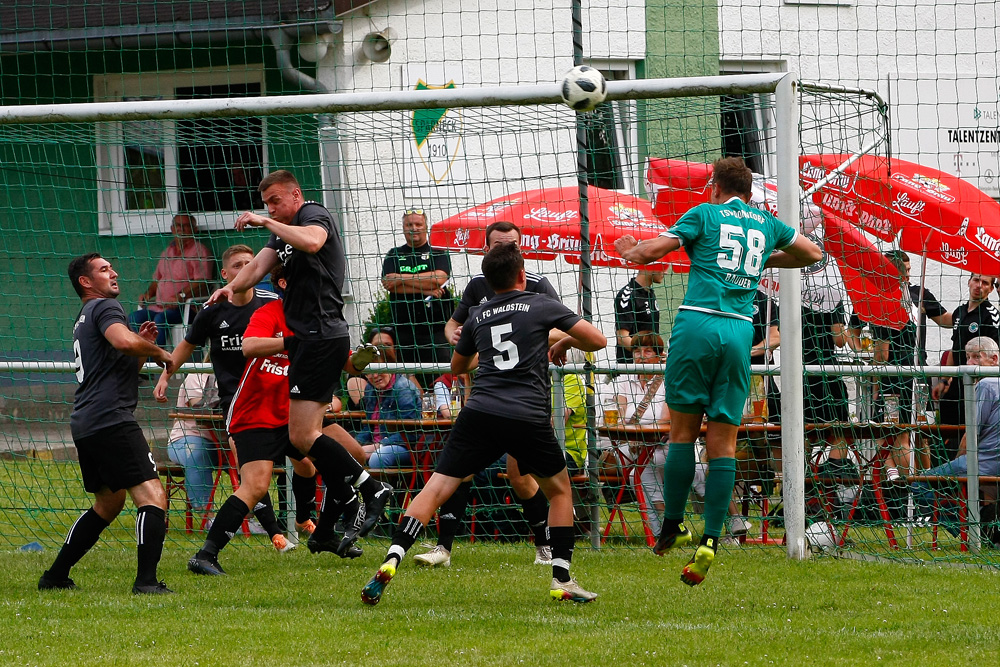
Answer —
282 105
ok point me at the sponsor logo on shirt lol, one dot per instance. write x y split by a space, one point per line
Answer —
224 325
740 281
418 268
284 254
626 296
231 343
268 366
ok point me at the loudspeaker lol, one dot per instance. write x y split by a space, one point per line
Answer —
313 48
376 46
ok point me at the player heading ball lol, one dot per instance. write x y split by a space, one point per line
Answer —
509 411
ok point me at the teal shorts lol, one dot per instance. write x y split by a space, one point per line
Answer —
708 366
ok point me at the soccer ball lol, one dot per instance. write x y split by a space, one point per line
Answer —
820 535
583 88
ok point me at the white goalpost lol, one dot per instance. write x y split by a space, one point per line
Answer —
783 87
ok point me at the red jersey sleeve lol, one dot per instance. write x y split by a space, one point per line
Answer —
267 321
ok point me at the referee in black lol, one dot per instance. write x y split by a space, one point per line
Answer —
114 456
305 238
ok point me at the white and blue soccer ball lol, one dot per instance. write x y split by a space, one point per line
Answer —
583 88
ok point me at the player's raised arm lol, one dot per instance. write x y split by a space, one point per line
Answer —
647 251
179 357
461 363
133 345
249 275
262 347
802 252
583 335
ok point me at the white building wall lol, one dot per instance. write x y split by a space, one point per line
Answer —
934 62
473 44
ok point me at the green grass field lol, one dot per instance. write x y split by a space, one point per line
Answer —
491 608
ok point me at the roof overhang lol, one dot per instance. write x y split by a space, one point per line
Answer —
109 30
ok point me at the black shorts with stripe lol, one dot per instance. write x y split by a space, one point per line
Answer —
479 438
116 457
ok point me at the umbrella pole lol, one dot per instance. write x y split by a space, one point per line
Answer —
586 305
921 335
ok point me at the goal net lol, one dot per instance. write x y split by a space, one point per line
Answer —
111 179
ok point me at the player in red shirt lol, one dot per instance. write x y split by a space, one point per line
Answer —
258 424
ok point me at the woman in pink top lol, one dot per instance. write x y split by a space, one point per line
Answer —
182 273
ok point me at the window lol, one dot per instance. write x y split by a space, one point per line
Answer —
748 121
742 130
612 137
150 170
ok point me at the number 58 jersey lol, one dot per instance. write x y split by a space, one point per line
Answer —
728 245
511 334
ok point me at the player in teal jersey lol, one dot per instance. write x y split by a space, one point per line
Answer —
708 363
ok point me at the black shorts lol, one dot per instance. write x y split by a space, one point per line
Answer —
825 400
116 457
478 439
315 367
264 444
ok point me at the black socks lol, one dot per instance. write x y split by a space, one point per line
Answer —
81 537
304 490
151 529
227 522
452 514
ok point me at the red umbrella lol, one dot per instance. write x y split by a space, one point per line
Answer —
549 220
957 223
869 278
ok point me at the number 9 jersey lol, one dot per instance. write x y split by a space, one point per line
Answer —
728 245
511 334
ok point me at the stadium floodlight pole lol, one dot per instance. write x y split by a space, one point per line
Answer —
790 307
972 460
586 298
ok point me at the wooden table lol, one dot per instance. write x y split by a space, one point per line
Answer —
412 424
211 416
346 415
857 431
